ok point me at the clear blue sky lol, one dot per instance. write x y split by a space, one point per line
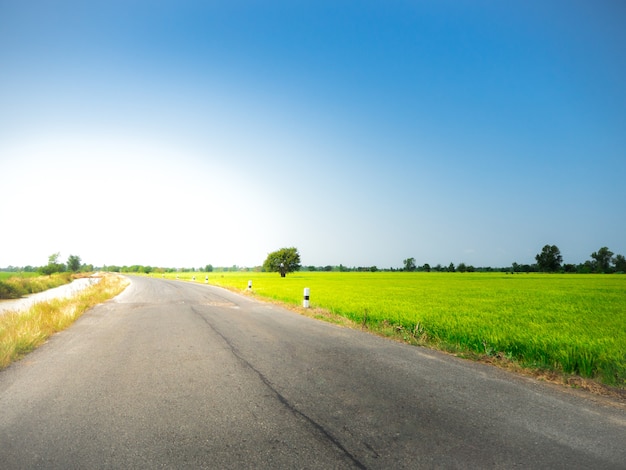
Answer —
183 133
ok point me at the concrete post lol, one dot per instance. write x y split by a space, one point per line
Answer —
305 302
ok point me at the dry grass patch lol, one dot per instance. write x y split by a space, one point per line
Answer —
17 286
21 333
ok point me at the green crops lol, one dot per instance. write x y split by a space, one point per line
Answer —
570 323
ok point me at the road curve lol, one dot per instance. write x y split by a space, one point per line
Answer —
180 375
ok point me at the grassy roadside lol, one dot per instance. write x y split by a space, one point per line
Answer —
18 285
417 338
21 333
546 318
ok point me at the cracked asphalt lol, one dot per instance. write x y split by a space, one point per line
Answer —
180 375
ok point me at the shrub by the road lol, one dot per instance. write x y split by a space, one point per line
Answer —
10 291
17 286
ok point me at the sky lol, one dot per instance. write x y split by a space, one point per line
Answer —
185 133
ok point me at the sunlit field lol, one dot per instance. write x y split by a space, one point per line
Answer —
4 275
15 285
569 323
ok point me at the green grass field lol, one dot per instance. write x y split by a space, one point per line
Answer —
574 324
15 285
4 275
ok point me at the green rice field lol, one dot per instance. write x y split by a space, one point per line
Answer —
15 285
4 275
574 324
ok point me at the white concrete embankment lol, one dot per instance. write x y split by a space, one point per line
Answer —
64 291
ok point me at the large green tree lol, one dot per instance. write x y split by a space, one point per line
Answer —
73 263
620 263
550 259
283 261
602 260
53 265
409 264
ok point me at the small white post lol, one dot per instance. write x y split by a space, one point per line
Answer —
206 279
249 285
305 302
193 278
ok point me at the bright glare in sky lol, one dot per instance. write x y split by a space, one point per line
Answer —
183 134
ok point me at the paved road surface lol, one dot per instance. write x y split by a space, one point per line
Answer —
181 375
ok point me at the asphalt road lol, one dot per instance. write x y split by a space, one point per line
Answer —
180 375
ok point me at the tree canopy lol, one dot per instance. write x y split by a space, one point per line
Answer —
409 264
550 259
53 265
73 263
285 260
602 260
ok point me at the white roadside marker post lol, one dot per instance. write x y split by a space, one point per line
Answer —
206 279
249 285
305 302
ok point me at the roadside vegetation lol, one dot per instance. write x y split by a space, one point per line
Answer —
22 332
557 323
16 286
17 282
565 320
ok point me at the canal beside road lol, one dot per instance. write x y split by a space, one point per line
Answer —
64 291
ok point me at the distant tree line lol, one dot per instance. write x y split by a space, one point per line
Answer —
549 260
140 269
73 265
602 261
